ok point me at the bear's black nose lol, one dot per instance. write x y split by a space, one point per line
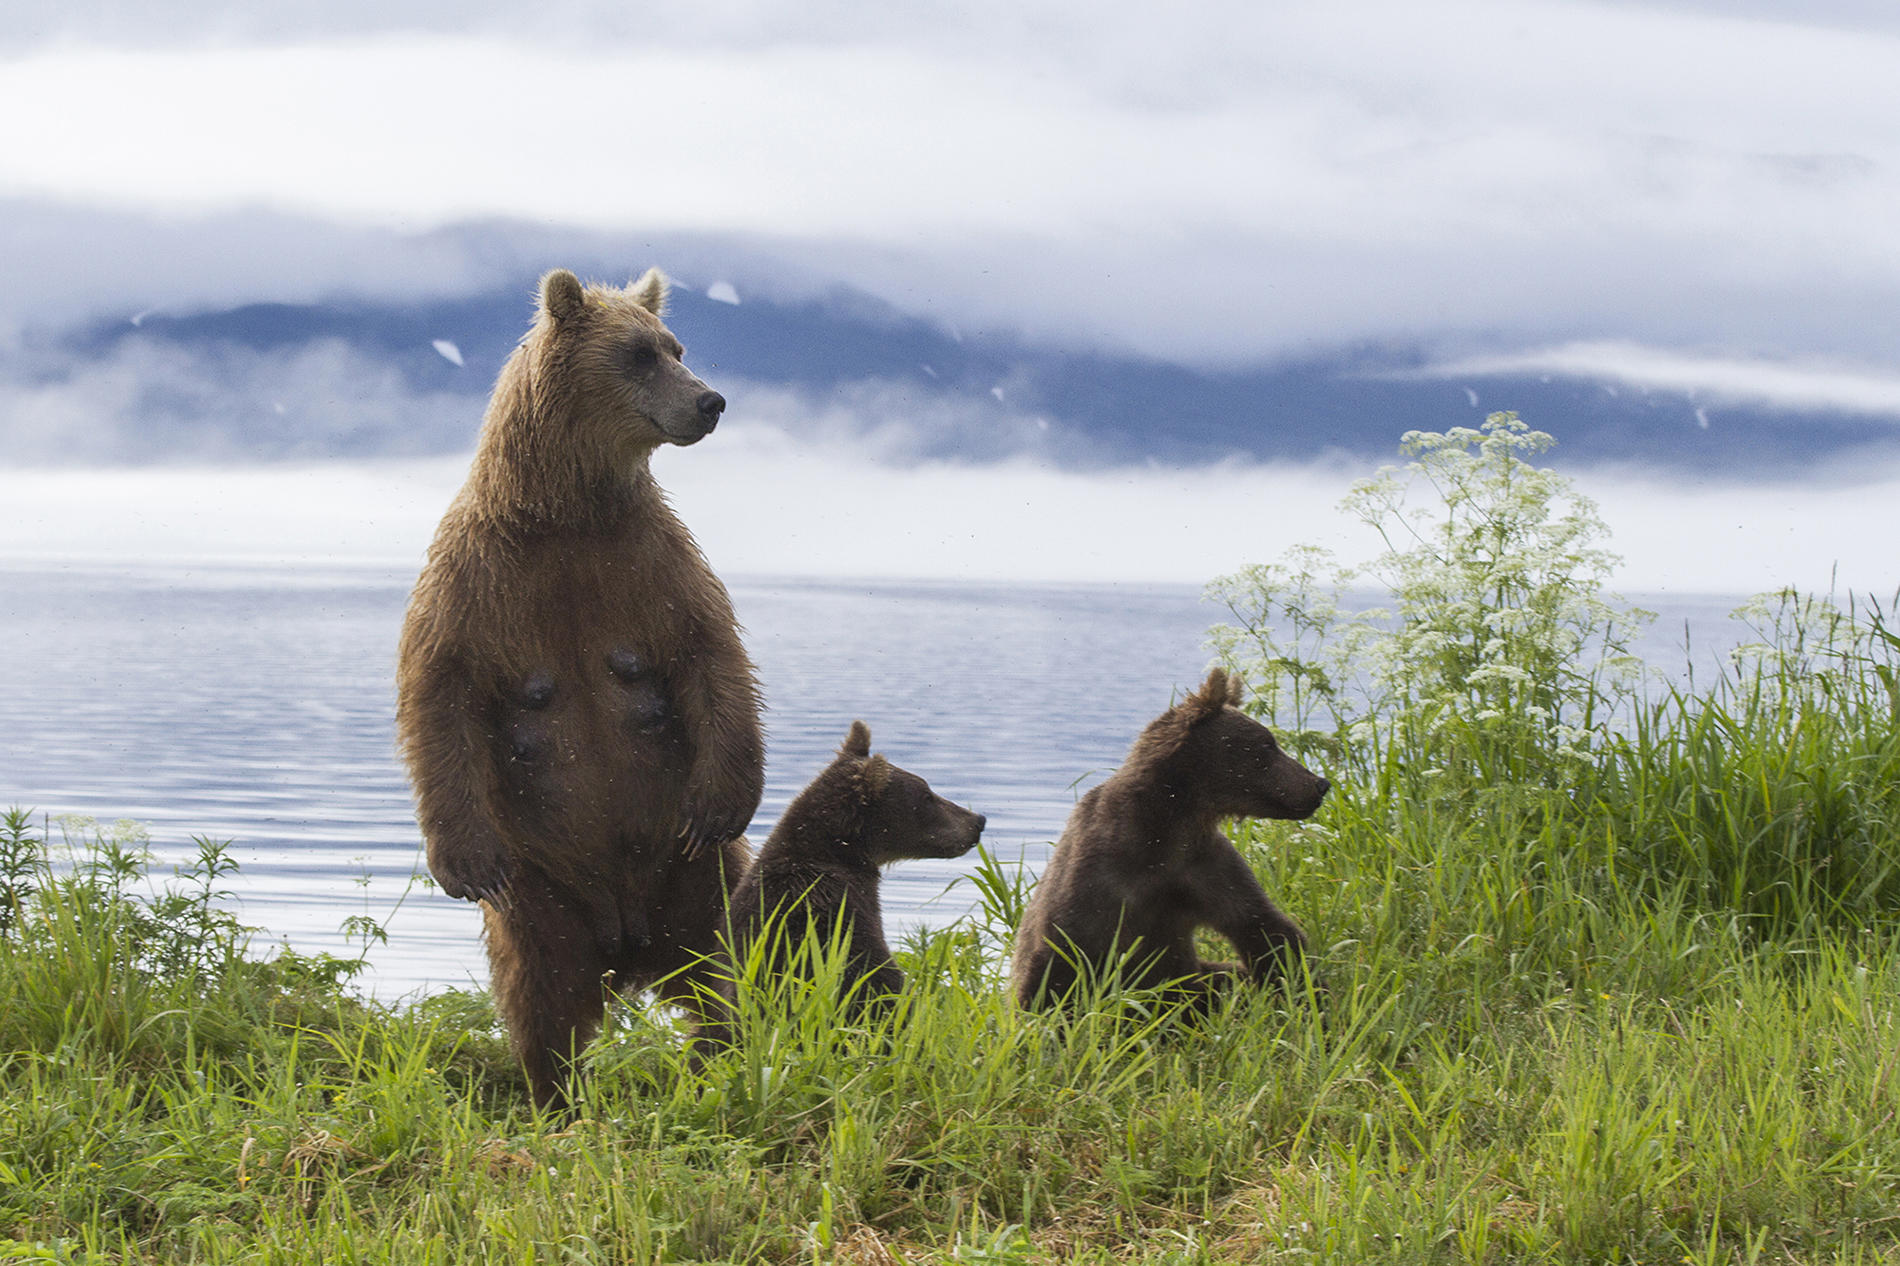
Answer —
711 405
1324 786
981 822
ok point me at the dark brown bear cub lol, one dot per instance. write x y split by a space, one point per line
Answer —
1141 865
819 867
579 717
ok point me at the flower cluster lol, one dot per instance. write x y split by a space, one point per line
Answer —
1482 635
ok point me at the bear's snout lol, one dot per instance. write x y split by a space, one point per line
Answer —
957 832
1286 790
711 404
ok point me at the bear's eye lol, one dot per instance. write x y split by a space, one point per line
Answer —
643 358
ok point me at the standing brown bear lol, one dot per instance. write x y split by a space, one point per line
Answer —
1141 865
817 873
579 718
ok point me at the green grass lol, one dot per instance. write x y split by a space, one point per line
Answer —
1650 1018
1645 1011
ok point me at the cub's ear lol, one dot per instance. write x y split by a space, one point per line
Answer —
561 295
858 742
873 778
1233 692
1215 693
650 291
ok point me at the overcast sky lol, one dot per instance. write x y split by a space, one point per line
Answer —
1248 179
1629 192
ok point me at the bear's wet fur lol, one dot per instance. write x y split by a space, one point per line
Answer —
577 712
1142 865
816 875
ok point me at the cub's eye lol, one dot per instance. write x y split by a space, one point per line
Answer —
643 358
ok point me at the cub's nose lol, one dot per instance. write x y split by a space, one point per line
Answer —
981 822
711 405
1324 786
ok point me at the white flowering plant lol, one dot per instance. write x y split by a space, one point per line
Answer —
1480 645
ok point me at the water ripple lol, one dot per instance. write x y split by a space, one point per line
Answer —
258 707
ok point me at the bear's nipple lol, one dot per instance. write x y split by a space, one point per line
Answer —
538 691
647 706
528 742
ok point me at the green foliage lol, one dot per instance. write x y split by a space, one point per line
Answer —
1600 978
1499 683
1774 792
1507 1062
1500 656
1002 897
20 861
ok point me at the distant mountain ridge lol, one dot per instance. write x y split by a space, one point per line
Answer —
1112 409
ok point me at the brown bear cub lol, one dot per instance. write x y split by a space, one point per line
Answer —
817 873
1141 865
579 718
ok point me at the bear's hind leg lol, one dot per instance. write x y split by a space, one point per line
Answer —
686 956
547 975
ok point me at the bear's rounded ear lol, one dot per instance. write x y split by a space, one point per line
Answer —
874 777
650 291
561 295
858 742
1209 699
1233 691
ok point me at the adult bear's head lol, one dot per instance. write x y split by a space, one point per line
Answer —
617 364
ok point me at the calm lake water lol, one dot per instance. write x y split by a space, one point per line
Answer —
257 706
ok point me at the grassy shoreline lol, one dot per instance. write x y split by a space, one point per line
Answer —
1524 1047
1597 975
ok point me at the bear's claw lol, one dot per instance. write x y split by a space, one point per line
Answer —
695 836
475 883
702 823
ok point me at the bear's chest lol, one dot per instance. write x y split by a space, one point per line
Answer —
602 703
607 624
601 644
1157 885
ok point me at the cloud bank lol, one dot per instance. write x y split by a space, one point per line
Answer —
1595 191
1283 177
1793 385
143 400
762 509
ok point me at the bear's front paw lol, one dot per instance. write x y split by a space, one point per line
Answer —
476 876
704 825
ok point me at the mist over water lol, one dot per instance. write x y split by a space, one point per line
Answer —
257 705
